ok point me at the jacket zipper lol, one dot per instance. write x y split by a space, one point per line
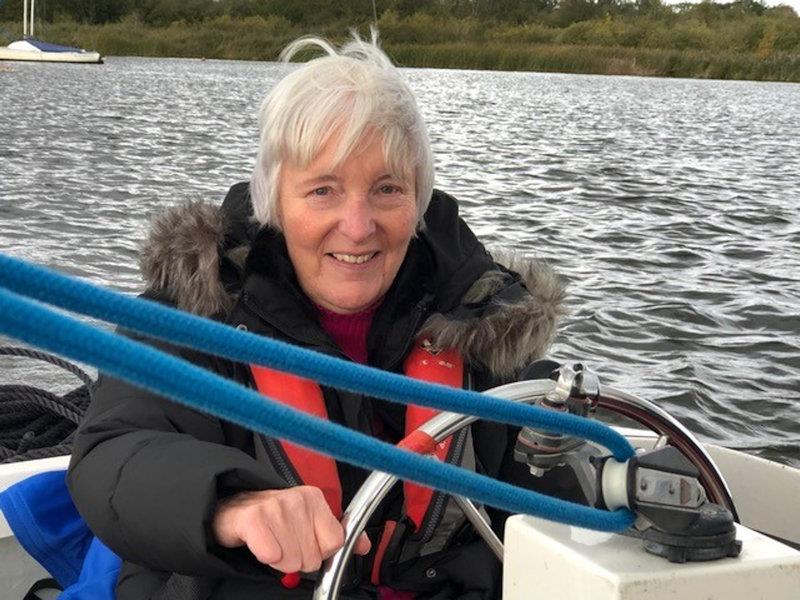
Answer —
279 461
419 310
441 499
275 452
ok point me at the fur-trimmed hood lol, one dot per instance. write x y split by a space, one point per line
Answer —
500 316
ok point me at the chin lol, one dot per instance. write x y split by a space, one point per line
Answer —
353 304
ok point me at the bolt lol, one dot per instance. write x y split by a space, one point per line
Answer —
671 489
536 471
430 573
643 485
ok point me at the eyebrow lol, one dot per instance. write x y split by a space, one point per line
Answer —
330 177
319 179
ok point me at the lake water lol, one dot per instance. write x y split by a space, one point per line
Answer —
670 206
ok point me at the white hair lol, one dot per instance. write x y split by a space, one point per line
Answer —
352 92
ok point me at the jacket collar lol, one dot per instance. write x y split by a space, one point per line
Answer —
204 258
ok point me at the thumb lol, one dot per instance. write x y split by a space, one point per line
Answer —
363 545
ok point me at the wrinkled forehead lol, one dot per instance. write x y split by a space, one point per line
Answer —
342 139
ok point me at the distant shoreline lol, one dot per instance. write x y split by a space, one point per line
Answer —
599 60
512 49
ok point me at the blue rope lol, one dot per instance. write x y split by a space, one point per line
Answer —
192 386
200 389
209 336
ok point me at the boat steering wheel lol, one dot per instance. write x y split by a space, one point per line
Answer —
378 484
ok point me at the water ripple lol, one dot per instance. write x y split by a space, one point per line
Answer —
670 206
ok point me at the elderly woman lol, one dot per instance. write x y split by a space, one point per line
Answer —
339 244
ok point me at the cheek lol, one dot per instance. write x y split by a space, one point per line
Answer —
402 227
302 243
302 232
399 233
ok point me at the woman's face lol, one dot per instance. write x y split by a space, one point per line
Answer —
347 227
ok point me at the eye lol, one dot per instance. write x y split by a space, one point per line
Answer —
388 188
320 191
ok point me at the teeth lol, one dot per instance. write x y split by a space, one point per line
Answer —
353 259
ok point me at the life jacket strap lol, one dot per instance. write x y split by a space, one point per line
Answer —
434 365
312 467
386 537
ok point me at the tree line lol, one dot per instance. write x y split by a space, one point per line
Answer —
553 13
742 39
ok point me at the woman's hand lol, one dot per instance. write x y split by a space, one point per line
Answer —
290 530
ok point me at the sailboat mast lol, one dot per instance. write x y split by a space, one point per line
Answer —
32 3
25 19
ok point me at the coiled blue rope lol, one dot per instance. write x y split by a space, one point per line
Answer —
200 389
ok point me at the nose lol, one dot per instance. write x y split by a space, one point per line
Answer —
357 220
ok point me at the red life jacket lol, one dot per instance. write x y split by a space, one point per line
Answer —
424 362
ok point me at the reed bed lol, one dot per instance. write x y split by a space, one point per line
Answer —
755 48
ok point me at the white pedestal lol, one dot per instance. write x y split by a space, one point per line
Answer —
548 560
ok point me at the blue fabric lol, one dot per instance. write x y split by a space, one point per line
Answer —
44 520
98 577
199 389
48 47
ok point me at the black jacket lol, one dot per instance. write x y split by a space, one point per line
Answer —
147 474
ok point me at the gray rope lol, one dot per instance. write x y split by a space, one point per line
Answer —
29 395
52 451
50 358
36 423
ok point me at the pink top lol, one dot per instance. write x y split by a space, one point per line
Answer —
349 331
350 334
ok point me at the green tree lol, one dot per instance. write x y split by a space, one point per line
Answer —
707 11
406 8
94 11
748 7
10 10
574 11
651 8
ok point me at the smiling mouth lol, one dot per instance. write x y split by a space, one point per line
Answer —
353 259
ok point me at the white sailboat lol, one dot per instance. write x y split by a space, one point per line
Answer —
31 49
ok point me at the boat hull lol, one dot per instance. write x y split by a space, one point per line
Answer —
7 53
